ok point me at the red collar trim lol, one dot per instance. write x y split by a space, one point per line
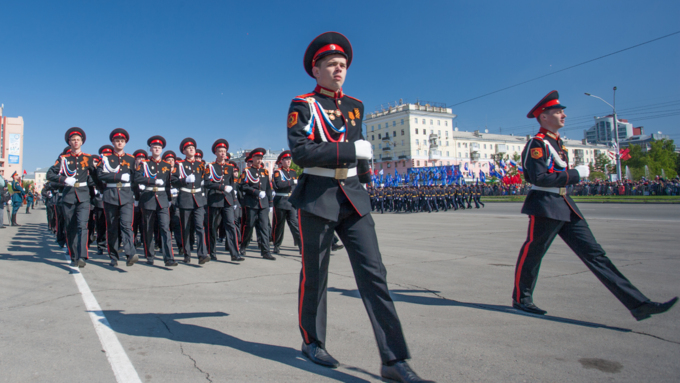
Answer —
328 93
554 136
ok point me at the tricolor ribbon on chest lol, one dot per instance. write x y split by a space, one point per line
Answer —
213 174
251 179
64 169
554 157
147 171
320 119
283 176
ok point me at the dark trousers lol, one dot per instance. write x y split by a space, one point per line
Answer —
222 216
137 232
51 216
61 224
75 220
577 235
358 235
176 227
256 219
119 220
280 217
97 228
193 218
152 220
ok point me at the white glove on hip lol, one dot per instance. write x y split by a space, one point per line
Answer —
70 181
228 188
271 209
363 149
142 187
160 182
125 177
191 178
583 171
263 194
295 182
136 203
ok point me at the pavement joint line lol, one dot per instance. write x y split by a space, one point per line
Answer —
122 367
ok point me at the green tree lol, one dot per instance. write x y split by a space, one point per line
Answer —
661 155
602 163
297 168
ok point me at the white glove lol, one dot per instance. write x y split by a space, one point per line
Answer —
136 203
96 191
125 177
49 194
583 171
191 178
235 207
142 187
70 181
271 209
363 149
160 182
263 194
295 182
235 193
228 188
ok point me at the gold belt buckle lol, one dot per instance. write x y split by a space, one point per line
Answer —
155 189
341 173
563 191
119 185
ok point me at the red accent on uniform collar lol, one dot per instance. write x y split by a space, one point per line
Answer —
154 160
188 160
119 155
555 136
76 155
328 93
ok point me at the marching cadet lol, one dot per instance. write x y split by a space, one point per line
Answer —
257 203
153 178
191 200
46 194
29 199
237 205
330 198
285 179
140 156
17 192
97 226
175 227
75 171
219 179
117 171
552 212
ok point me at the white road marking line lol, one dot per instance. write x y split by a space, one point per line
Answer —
120 363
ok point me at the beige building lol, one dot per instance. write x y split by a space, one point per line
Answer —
11 144
415 135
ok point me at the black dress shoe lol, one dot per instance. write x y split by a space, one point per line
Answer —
401 372
242 252
269 257
171 263
203 260
81 263
335 247
113 263
132 260
319 355
149 261
187 259
650 308
100 251
528 307
238 258
73 263
213 257
276 250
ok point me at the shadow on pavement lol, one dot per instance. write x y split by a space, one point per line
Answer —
146 325
408 297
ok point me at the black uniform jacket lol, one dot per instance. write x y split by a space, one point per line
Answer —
321 195
82 167
117 195
217 177
154 196
541 170
191 195
253 181
284 182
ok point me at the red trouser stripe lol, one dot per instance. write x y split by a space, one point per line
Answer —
304 278
525 251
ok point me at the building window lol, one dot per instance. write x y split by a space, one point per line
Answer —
464 143
402 131
484 146
417 152
447 154
447 143
372 137
417 163
371 128
416 121
394 123
431 122
379 146
424 121
402 142
388 164
459 154
381 159
459 144
416 130
439 132
417 142
394 134
446 123
402 121
379 136
485 155
425 132
439 122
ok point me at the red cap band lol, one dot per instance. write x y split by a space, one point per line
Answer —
326 48
256 154
188 144
159 142
118 135
140 155
540 109
220 145
75 132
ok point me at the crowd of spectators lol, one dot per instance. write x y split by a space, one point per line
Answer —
657 187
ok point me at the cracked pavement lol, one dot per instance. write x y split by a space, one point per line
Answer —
450 275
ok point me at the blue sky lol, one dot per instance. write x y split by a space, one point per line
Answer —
216 69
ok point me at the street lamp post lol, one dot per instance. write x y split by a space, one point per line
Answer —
616 133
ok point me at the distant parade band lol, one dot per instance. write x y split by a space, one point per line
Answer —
118 202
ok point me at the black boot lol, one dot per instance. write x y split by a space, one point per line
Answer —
14 220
